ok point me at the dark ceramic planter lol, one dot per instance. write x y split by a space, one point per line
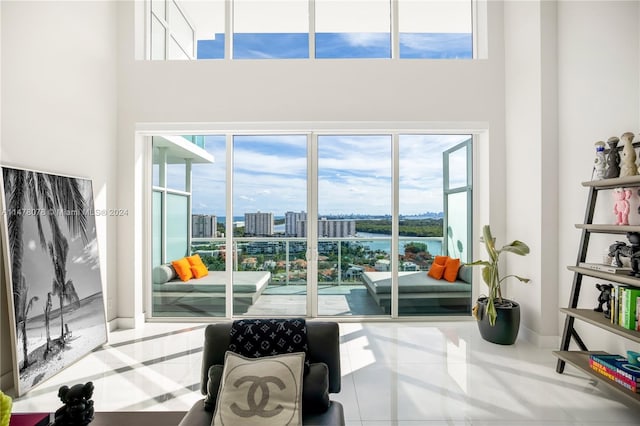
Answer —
505 331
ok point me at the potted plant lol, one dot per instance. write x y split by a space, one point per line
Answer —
498 318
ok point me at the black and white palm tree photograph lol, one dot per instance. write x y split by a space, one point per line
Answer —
53 272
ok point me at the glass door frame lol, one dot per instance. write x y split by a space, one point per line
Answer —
467 188
312 131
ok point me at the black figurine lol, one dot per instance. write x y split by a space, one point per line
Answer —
78 406
604 299
632 251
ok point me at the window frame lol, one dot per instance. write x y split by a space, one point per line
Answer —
313 130
479 32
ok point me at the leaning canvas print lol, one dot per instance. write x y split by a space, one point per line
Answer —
52 272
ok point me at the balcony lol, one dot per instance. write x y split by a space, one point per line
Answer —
350 272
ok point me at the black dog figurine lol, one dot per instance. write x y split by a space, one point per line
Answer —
604 299
632 251
78 406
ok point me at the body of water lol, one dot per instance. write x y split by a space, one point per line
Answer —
434 246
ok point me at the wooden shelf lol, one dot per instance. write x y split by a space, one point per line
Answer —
613 183
617 278
580 360
608 229
597 318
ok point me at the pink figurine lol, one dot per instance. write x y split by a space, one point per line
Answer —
621 205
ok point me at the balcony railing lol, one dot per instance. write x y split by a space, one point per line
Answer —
340 260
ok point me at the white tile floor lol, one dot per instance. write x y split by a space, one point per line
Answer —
427 373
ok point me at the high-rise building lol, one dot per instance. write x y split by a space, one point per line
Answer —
258 224
329 228
291 220
203 226
336 228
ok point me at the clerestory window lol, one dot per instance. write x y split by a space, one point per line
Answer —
310 29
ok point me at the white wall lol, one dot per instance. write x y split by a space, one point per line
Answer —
58 103
598 97
531 134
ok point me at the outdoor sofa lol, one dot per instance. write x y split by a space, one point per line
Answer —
419 293
205 296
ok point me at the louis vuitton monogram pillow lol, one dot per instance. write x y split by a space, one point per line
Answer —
264 391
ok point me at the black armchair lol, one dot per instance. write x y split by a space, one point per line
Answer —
324 347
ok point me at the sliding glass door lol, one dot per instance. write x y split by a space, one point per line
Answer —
269 232
312 224
354 223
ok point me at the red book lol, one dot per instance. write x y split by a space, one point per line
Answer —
29 419
613 375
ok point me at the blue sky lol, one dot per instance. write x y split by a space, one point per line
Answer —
354 174
339 45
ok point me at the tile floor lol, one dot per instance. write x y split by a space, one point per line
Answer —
430 373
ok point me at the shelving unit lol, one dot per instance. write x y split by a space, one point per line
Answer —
580 359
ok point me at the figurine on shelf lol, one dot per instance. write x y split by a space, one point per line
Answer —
621 205
632 251
613 159
78 406
628 156
604 299
600 165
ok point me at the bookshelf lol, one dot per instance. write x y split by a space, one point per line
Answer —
580 359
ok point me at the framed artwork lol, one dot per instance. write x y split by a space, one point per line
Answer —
56 305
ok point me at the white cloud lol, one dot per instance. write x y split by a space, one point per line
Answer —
89 255
365 39
354 174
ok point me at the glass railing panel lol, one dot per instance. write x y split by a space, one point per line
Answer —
270 277
342 267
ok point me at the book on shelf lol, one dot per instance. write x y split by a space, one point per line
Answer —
605 268
638 314
619 364
616 306
613 376
630 301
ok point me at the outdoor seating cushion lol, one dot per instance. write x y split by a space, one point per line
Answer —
418 282
214 282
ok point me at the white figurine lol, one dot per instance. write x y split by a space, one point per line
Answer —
628 156
600 165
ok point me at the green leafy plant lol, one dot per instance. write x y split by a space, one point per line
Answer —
5 409
491 270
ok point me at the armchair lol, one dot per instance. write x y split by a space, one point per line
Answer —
323 347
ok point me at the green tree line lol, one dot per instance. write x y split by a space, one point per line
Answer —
409 228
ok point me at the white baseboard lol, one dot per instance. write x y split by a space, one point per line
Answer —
129 322
112 325
543 342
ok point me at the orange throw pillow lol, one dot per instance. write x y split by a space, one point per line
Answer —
441 260
451 270
195 260
436 271
183 269
199 271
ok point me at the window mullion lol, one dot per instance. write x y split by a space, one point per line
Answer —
228 25
395 223
312 29
395 34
